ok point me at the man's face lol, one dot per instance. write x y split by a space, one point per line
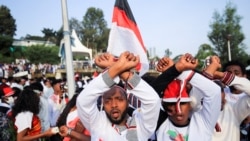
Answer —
4 80
115 105
235 70
57 87
22 81
180 119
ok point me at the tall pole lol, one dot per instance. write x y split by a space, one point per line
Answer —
229 50
68 52
229 47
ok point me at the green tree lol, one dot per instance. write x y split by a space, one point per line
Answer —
95 31
168 53
224 26
7 30
41 54
77 26
52 35
204 51
59 36
177 57
34 37
49 35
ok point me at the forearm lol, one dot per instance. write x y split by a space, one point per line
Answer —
87 100
242 84
29 137
150 104
78 136
161 82
114 71
211 94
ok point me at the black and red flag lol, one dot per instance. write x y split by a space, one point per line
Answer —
125 35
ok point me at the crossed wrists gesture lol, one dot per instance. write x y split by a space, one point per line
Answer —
118 66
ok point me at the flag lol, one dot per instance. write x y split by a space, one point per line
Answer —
61 52
125 35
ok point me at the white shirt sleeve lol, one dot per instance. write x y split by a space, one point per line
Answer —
23 121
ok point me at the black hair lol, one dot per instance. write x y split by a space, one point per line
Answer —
10 78
28 100
17 91
63 116
37 86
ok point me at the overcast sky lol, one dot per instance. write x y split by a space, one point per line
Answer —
180 25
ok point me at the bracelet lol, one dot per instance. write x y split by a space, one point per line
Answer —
69 131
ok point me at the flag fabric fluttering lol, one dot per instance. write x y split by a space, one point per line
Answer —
125 35
61 52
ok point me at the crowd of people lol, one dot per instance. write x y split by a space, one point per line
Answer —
181 104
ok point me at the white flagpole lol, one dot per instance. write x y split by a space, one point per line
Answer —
68 52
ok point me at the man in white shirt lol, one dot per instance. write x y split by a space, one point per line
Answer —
113 123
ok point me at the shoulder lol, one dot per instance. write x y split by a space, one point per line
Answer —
25 114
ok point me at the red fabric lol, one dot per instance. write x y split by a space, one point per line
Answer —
174 90
120 17
125 35
95 74
7 91
36 126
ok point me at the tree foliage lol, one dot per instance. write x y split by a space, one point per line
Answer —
95 31
33 37
7 30
168 53
59 36
204 51
49 35
223 27
77 26
41 54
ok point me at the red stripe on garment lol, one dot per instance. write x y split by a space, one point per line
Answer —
120 17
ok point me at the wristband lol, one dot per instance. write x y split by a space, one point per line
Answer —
69 131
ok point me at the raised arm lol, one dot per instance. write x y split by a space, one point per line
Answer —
241 107
105 60
150 104
87 100
170 71
211 94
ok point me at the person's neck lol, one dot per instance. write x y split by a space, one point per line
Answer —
73 109
59 93
181 125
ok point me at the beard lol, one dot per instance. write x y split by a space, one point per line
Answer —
118 120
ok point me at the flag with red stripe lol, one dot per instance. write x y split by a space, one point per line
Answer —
125 35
